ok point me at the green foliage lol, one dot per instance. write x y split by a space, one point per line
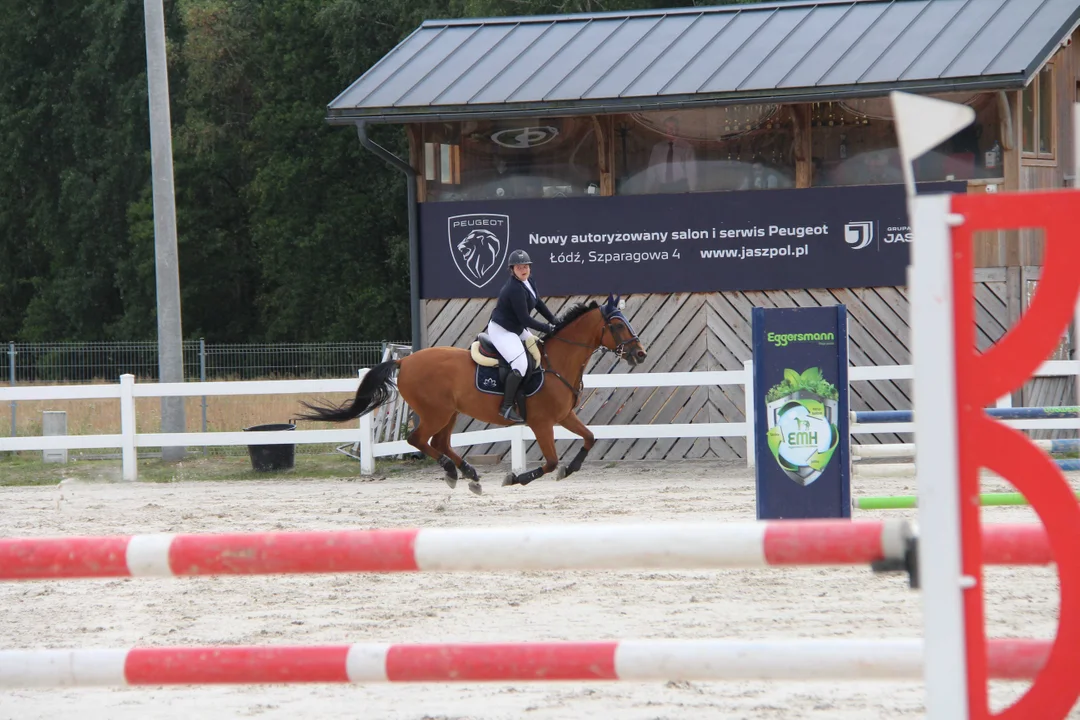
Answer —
810 380
287 229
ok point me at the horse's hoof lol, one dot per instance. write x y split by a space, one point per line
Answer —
475 487
451 481
561 473
510 479
469 472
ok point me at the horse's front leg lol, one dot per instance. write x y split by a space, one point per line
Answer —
573 423
545 438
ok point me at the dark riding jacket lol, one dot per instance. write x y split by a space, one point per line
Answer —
514 309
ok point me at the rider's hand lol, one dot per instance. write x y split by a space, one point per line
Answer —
549 329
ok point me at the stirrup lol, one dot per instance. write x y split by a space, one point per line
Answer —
511 414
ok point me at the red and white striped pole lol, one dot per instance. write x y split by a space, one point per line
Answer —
625 660
543 547
554 547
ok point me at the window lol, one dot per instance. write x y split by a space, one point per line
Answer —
507 159
1037 113
854 143
738 147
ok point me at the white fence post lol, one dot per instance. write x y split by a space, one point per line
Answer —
751 420
517 449
54 422
367 439
367 445
127 428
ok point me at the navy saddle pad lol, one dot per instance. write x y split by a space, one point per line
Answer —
487 381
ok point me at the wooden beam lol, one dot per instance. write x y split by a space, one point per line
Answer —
1009 240
605 153
804 167
415 133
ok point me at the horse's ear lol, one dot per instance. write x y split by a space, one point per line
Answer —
610 301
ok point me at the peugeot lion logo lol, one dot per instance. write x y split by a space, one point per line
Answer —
478 244
859 234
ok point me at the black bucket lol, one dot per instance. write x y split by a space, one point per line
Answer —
271 457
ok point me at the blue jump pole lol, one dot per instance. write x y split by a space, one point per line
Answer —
1030 413
1067 445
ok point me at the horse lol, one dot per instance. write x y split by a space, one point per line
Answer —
438 384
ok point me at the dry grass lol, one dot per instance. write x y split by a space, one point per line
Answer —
223 413
27 468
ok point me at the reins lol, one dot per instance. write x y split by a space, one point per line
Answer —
620 351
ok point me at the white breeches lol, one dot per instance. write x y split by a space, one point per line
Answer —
509 345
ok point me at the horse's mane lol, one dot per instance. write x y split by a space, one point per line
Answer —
573 314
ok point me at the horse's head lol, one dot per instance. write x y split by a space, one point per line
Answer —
618 335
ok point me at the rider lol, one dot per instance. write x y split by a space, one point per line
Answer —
509 320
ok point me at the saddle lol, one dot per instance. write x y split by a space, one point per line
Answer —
492 369
483 352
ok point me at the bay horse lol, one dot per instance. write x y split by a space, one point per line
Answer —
438 384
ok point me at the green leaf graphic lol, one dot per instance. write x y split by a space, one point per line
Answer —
811 379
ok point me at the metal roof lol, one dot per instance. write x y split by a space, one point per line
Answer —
647 60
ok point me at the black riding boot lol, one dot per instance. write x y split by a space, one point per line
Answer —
507 410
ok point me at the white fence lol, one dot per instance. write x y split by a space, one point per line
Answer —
129 439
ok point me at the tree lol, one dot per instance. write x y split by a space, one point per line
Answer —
288 230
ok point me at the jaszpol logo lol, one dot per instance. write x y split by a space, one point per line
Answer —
859 234
478 244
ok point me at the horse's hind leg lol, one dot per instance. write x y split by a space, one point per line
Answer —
441 442
426 429
573 423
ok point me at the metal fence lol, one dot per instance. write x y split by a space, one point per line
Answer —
105 362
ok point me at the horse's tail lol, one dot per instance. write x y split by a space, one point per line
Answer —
375 389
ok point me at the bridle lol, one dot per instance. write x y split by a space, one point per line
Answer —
620 347
619 350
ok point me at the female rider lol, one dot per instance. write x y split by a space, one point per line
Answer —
509 320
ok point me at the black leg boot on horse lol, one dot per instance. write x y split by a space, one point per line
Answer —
507 409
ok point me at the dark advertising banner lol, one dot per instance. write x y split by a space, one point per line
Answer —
689 242
801 412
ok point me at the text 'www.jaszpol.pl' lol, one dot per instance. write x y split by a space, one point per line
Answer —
742 253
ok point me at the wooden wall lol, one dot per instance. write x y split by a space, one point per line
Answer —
1026 247
711 331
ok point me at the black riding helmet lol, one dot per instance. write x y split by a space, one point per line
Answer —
518 257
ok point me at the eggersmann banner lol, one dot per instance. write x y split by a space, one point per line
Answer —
801 412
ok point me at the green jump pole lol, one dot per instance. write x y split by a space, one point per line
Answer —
900 502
